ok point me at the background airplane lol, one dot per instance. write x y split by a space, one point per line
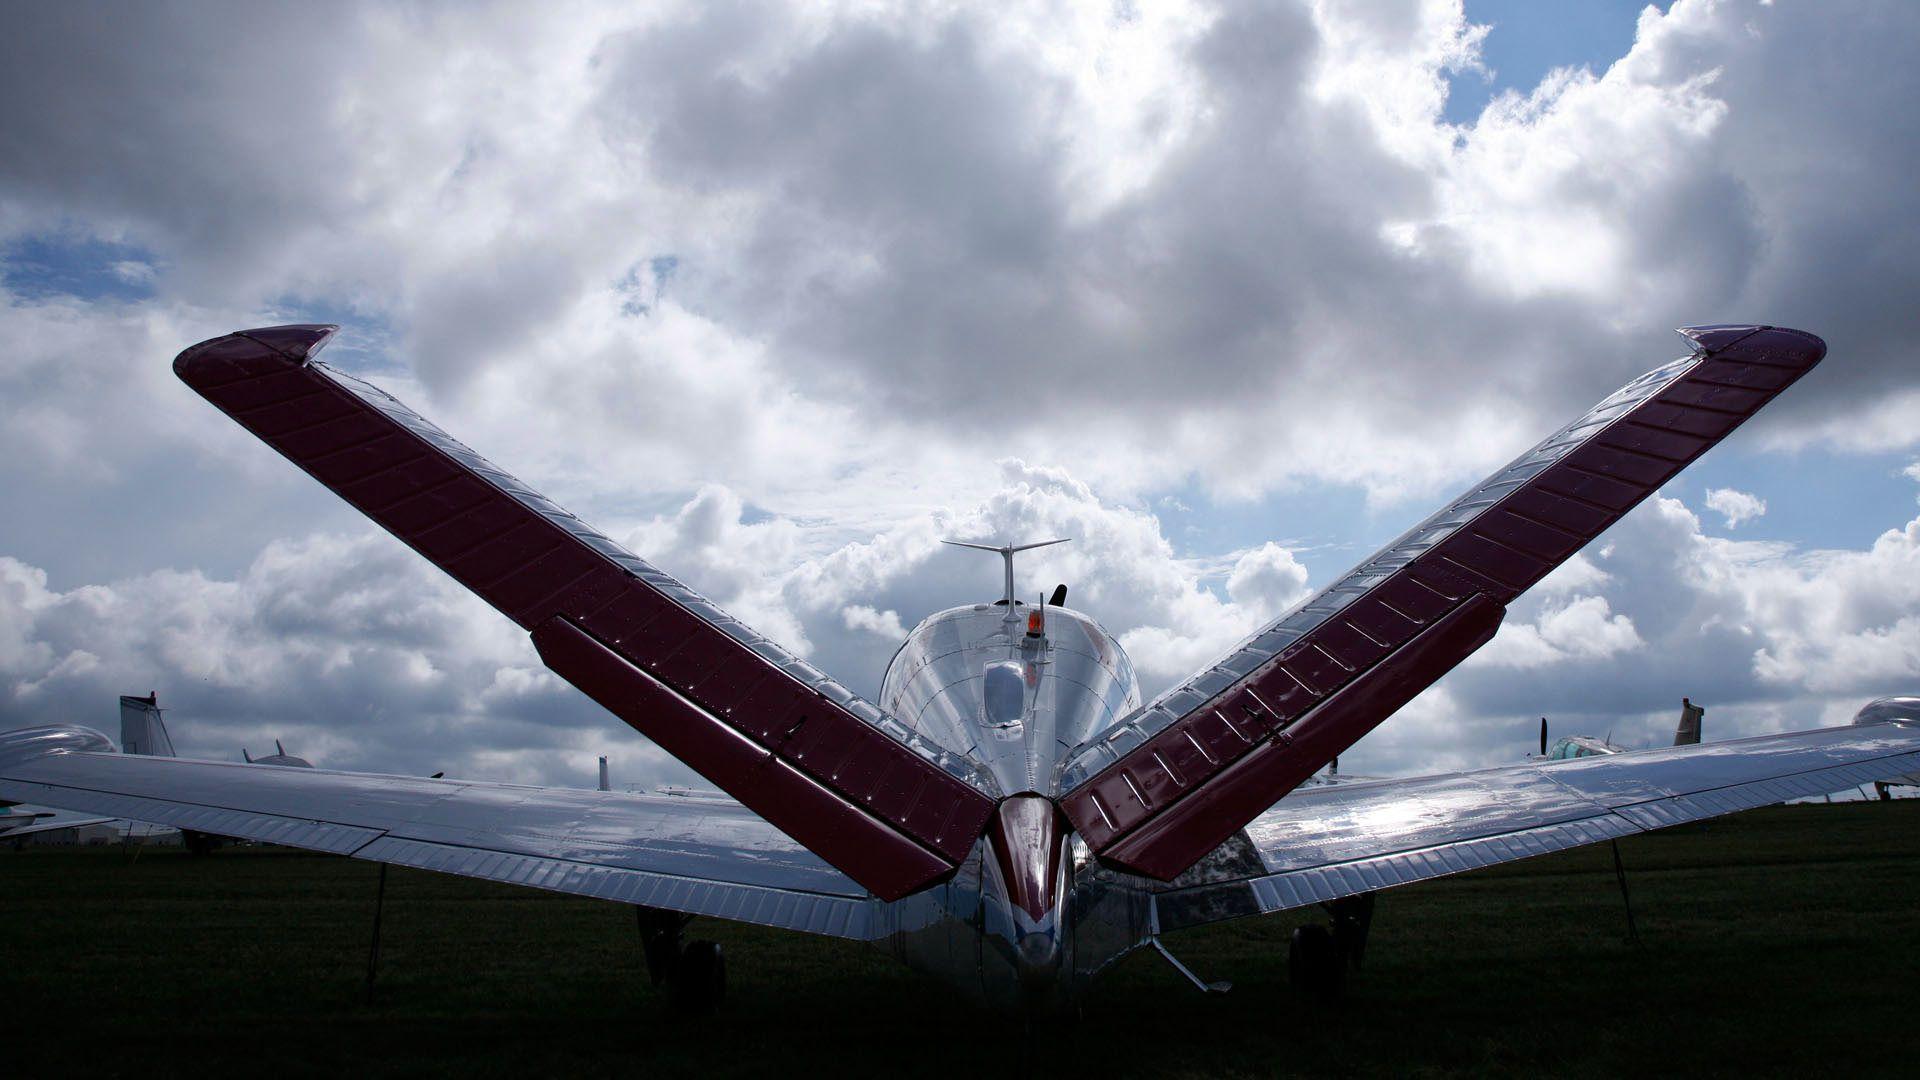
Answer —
1011 814
1891 708
278 757
21 820
143 731
1692 720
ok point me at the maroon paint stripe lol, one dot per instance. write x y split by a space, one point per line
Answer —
477 531
878 857
379 471
1161 849
1686 419
1598 489
302 393
1741 403
1516 540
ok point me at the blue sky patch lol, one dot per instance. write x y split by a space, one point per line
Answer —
86 268
1532 37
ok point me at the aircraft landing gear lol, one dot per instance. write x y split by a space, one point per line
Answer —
695 974
1352 918
198 843
1320 954
1314 964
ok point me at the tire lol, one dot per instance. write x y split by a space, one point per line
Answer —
1315 964
699 981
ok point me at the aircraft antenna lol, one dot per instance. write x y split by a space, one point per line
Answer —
1006 552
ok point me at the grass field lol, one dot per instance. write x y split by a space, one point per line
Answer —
1782 941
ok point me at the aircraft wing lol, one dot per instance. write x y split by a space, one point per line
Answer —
1164 789
890 809
703 856
26 820
1321 844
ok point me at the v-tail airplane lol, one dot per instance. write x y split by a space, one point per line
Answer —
1011 814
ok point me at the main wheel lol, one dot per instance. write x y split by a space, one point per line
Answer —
699 981
1315 964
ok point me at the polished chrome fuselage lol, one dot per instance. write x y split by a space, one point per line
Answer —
975 681
1029 917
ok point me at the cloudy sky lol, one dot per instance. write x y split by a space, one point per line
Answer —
1229 294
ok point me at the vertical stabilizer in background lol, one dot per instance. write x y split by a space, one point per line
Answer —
141 729
1691 716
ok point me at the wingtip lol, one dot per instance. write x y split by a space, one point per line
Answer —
294 343
1772 344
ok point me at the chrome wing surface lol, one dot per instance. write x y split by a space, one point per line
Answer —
1324 843
890 809
703 856
1167 787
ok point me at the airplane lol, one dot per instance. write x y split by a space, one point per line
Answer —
143 731
20 820
1011 814
278 757
1568 747
1893 707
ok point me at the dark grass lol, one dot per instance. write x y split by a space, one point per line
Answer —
1783 941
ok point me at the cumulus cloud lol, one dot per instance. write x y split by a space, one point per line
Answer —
786 295
1583 629
887 229
348 647
1268 580
1768 635
1735 506
381 662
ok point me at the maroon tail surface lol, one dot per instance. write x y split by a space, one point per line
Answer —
1246 732
791 745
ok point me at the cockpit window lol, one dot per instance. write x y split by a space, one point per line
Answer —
1006 693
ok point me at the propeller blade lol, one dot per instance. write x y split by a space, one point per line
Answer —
1543 736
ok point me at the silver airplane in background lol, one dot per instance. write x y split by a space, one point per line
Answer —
143 730
21 820
1568 747
278 757
1012 814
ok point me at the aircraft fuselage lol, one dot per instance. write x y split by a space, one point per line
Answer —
1030 916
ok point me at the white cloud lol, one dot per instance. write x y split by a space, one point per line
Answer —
1583 629
882 222
885 624
1736 506
787 295
133 271
1767 635
349 648
378 661
1268 579
1578 574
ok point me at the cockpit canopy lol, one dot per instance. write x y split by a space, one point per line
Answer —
1579 746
